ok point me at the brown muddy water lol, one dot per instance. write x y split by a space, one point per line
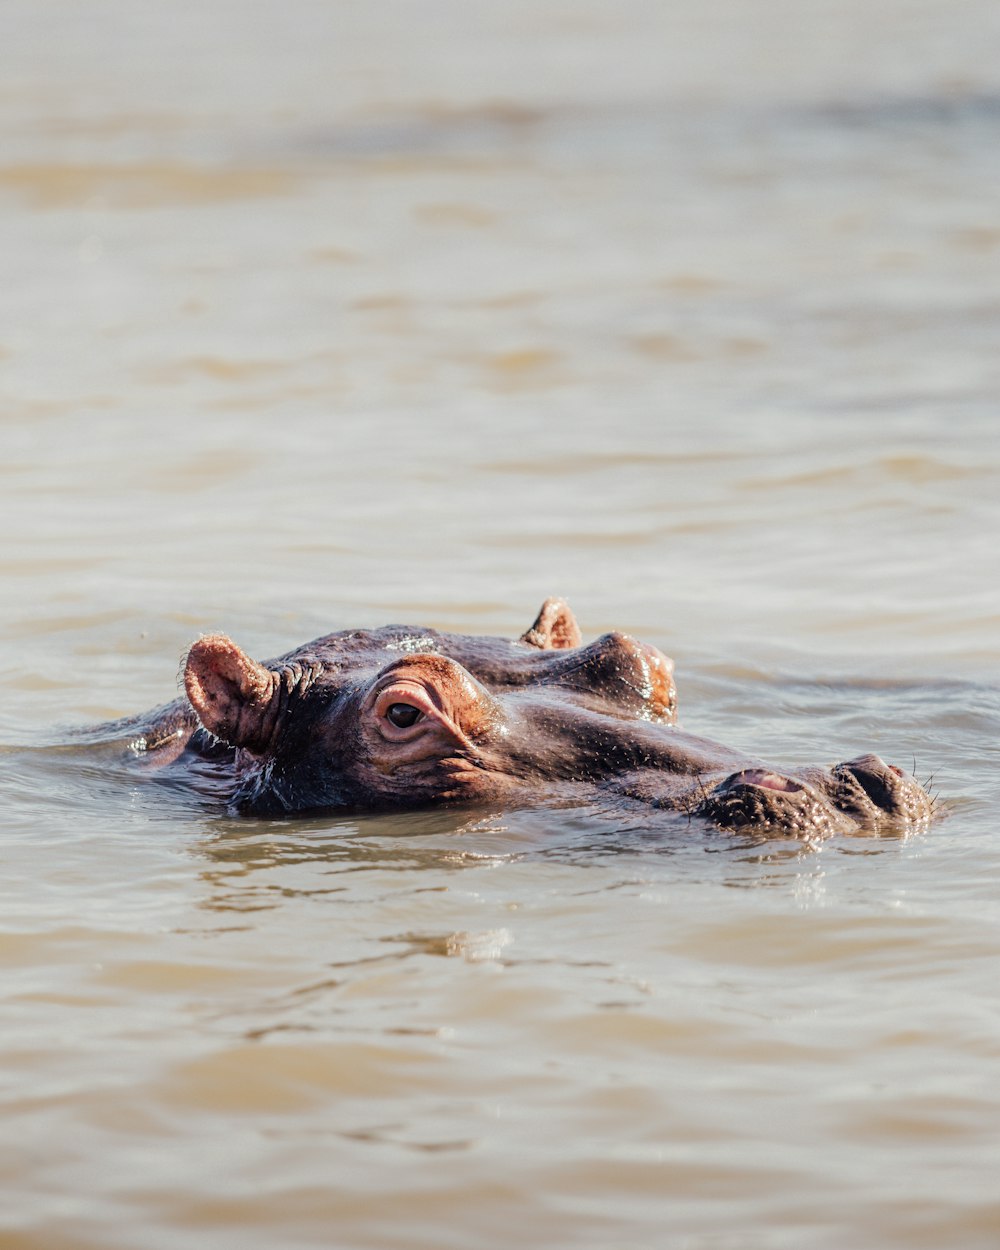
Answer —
317 315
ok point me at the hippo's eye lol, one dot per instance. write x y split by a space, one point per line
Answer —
403 715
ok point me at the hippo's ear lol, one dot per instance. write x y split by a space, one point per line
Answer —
555 628
236 698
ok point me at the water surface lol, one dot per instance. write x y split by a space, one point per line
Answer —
316 316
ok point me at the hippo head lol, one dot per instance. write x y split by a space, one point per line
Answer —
399 717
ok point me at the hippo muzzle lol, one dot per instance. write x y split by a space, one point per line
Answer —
863 792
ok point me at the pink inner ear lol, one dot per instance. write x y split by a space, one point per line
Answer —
555 628
233 696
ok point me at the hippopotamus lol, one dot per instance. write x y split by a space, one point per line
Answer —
401 717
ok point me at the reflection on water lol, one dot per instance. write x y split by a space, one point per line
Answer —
134 186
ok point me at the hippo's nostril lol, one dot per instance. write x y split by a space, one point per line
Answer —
756 798
764 779
875 778
871 788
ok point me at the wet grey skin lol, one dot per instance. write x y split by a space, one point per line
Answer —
402 717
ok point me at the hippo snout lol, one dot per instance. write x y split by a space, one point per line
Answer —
760 799
865 792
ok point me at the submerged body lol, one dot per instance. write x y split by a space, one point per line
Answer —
402 717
